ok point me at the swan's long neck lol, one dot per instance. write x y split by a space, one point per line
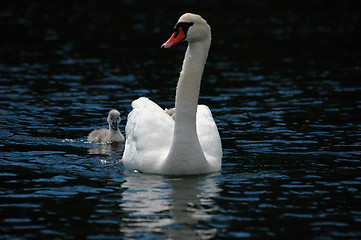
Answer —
188 87
186 150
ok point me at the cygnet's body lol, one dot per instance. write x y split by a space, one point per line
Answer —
108 135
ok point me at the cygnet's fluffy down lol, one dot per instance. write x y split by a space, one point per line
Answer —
108 135
170 112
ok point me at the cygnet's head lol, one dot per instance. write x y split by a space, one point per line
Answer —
190 27
114 119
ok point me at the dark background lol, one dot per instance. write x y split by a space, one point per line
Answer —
269 32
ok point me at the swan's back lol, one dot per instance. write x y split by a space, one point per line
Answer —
209 137
149 132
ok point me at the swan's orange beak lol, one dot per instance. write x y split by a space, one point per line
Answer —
176 37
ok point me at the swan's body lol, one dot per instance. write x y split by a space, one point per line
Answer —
112 134
190 144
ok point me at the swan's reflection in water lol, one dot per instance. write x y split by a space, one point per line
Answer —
171 206
107 149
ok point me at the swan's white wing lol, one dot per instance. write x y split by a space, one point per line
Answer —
209 138
149 133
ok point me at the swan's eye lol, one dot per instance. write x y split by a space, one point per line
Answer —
184 26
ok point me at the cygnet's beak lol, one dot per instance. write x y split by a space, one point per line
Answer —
114 125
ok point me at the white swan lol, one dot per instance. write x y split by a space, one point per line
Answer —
190 144
108 135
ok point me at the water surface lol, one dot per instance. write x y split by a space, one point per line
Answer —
282 81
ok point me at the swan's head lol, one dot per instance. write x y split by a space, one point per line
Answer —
190 27
114 119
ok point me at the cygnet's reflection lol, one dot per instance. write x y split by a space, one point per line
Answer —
170 206
107 149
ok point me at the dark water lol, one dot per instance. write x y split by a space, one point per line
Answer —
282 80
